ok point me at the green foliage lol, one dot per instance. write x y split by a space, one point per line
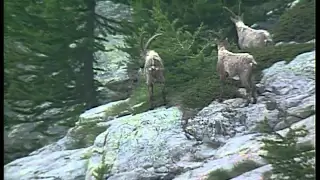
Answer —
186 54
201 91
39 64
263 126
45 79
289 159
102 169
297 24
238 169
186 48
38 45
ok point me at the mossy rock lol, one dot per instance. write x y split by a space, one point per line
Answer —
297 24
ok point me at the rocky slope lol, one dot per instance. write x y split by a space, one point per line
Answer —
152 145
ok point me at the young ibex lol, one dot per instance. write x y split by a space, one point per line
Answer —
153 68
231 64
248 37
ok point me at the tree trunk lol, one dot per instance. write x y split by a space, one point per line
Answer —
90 94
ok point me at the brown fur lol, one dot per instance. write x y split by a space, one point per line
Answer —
249 37
231 64
153 69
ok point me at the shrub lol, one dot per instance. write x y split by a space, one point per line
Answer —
297 24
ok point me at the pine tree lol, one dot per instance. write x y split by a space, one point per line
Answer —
49 58
289 159
40 65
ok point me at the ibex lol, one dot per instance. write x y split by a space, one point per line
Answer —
231 64
153 68
248 37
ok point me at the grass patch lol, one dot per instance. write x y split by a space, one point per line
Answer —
238 169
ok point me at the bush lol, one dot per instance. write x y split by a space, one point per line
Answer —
297 24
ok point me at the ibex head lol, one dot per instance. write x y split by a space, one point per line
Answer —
235 18
219 39
144 48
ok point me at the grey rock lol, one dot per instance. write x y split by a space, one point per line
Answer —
135 141
67 165
151 145
138 174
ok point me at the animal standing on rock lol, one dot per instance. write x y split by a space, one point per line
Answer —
231 64
153 69
248 37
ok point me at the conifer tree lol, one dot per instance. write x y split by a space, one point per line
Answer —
41 66
289 159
